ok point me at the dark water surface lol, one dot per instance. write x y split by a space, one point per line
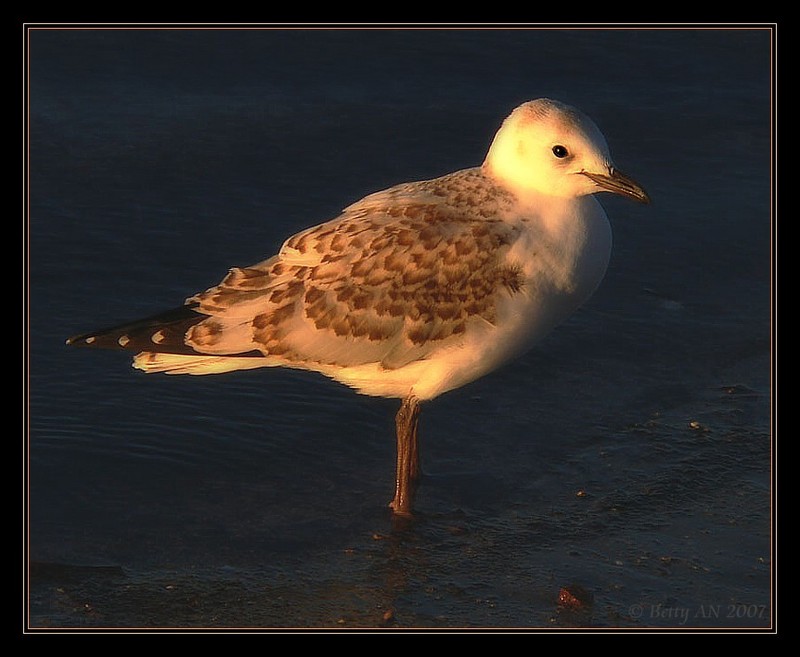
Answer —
626 459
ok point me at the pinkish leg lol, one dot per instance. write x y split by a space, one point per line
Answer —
408 471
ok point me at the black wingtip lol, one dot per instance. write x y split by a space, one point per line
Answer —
137 335
84 339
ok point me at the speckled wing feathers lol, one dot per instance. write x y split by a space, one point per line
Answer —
398 274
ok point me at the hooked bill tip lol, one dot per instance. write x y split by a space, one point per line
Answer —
617 182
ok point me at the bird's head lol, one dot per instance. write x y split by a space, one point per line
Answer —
548 147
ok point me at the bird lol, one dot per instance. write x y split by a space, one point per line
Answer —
415 290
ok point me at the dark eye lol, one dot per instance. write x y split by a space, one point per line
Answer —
560 151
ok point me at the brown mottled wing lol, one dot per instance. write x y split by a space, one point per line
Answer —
395 276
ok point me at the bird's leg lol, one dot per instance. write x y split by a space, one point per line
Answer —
408 470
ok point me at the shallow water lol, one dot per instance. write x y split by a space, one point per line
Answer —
628 457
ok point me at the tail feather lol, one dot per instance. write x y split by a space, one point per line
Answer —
151 362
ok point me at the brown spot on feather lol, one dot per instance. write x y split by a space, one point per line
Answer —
287 292
276 348
447 310
419 333
300 243
361 267
206 333
377 277
261 321
395 261
340 326
380 242
414 275
345 293
406 237
464 247
379 332
361 300
245 277
338 243
328 271
322 320
280 315
313 294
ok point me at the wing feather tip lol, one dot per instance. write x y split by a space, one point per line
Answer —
80 340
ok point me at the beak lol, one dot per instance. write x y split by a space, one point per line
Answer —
618 183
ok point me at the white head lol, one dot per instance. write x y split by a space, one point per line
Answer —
554 149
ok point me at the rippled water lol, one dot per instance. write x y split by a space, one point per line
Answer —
626 458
